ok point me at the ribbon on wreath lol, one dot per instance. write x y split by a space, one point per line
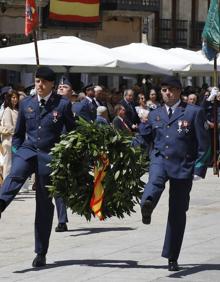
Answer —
98 192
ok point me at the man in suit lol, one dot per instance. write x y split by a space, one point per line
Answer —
180 154
87 109
131 115
40 123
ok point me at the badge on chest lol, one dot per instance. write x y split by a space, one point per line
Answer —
183 125
55 116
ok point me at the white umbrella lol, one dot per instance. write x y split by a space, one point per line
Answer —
152 55
80 55
198 62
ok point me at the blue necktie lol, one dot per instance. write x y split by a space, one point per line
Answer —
42 104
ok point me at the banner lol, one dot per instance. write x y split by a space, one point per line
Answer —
85 11
31 16
211 32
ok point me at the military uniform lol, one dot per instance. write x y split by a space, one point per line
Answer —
180 150
35 134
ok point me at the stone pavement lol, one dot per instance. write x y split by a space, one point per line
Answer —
115 250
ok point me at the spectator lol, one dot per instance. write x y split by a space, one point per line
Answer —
7 128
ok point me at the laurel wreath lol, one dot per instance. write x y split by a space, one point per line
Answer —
73 161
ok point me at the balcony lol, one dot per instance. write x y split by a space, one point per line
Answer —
131 5
185 35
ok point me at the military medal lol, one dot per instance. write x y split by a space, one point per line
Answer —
180 122
30 110
55 116
185 125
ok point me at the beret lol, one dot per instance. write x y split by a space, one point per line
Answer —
45 73
171 81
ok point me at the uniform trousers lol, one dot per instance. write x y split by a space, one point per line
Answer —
61 210
179 197
21 169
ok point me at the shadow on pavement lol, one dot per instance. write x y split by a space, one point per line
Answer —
95 263
185 270
88 231
194 268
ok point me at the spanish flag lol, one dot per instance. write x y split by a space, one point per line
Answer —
31 17
85 11
98 192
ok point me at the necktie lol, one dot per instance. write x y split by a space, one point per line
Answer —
170 112
42 104
94 103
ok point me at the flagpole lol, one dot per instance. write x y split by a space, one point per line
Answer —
36 48
31 23
215 117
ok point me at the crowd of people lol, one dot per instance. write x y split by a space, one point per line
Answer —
166 117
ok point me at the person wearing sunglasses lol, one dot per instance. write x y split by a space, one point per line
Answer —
180 154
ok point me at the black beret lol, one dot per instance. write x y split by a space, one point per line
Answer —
45 73
171 81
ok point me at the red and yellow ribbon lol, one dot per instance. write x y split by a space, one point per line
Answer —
98 192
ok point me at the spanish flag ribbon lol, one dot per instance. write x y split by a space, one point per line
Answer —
98 192
85 11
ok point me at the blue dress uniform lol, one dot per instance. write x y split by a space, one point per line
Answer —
181 149
35 134
87 110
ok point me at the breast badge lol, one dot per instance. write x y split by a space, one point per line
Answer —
55 116
179 125
183 125
186 126
30 110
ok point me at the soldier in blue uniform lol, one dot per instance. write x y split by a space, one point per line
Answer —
180 153
41 120
86 109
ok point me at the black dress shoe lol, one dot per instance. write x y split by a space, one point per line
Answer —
146 211
173 265
39 261
2 206
61 227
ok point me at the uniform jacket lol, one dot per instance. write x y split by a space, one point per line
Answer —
37 132
87 110
182 141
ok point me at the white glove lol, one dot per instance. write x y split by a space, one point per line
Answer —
196 177
213 94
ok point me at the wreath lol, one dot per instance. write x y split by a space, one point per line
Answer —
103 149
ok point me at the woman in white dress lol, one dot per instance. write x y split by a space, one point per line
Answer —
7 128
141 109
